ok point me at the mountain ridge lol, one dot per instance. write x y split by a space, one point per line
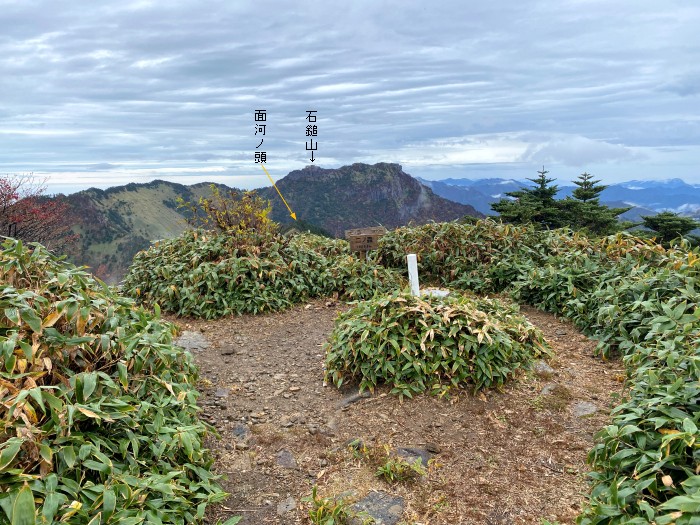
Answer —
360 195
117 222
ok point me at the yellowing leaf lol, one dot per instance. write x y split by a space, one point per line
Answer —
169 387
80 325
88 412
74 507
30 412
51 319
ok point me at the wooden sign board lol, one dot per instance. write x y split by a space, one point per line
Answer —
364 239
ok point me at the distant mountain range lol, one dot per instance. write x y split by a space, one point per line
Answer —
116 223
479 193
646 197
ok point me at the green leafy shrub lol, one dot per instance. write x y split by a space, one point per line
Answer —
388 465
207 274
327 511
98 415
396 469
551 285
639 301
646 460
418 344
484 257
243 214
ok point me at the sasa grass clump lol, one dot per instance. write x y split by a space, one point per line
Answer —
417 344
98 414
209 274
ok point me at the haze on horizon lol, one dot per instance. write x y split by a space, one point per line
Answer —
116 92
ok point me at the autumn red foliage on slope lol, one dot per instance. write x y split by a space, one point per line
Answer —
30 216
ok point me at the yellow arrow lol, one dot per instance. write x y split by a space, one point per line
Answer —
291 213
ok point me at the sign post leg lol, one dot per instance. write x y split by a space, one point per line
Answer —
413 273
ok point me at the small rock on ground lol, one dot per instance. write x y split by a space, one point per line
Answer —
548 389
221 392
353 398
286 459
192 341
413 453
241 432
384 508
542 368
583 409
286 505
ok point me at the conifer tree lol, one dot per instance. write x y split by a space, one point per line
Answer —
669 226
583 210
543 191
532 205
588 190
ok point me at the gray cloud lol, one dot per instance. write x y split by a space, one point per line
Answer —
129 86
576 151
101 166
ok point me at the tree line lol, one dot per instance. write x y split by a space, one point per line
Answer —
583 211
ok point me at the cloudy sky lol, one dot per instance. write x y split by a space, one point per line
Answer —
104 93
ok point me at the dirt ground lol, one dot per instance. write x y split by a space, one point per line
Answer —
515 456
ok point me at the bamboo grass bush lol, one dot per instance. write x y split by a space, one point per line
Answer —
98 414
210 274
417 344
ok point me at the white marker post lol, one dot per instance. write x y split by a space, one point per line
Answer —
413 273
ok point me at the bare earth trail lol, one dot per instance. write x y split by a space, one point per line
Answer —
515 456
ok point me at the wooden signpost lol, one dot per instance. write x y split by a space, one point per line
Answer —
364 239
